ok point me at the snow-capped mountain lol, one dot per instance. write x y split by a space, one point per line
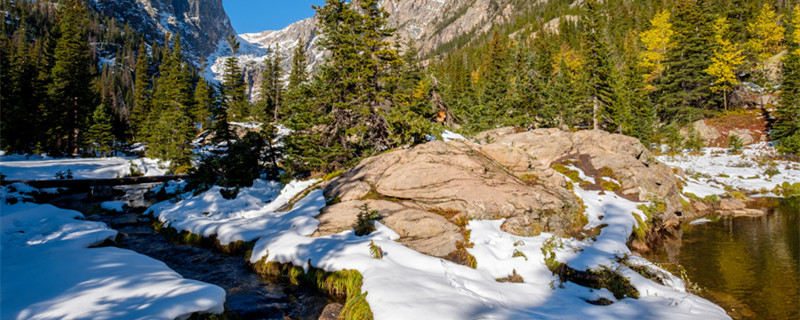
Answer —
431 23
202 24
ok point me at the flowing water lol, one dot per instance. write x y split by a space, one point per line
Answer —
249 296
749 266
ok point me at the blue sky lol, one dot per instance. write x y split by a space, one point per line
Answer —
259 15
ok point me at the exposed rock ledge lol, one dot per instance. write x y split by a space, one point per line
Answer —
511 177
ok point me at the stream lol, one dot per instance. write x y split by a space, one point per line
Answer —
749 266
249 296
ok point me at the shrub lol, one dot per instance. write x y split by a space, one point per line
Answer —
518 253
694 141
772 171
364 224
513 278
571 174
735 144
790 144
375 251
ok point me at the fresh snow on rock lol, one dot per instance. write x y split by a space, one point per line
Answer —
82 168
406 284
448 135
113 206
714 168
49 271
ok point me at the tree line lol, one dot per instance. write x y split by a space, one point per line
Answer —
640 68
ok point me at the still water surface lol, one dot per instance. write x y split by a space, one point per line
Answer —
749 266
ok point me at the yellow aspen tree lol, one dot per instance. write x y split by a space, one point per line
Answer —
795 37
726 60
766 36
656 42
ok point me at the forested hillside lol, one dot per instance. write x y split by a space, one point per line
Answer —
642 68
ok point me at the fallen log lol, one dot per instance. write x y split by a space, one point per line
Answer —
87 183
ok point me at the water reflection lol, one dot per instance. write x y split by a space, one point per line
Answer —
749 266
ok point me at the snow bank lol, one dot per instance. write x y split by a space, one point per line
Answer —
406 284
49 272
752 170
81 168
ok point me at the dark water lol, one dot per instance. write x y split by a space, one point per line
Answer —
749 266
249 296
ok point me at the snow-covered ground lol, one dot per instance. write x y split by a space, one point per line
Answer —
49 271
753 170
17 167
406 284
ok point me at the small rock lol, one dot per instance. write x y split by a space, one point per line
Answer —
331 311
732 204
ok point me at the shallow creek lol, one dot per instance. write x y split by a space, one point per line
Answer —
249 296
749 266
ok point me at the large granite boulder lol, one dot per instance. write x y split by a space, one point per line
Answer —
511 177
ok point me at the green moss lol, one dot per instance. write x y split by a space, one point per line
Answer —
344 285
571 174
609 185
529 179
641 228
332 175
787 190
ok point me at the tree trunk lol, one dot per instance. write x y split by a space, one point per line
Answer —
595 111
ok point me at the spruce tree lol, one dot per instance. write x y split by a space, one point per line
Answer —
272 87
100 135
298 73
70 90
684 89
496 76
203 104
141 95
234 89
599 66
786 128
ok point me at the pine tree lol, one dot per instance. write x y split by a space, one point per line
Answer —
766 38
71 77
496 76
272 87
786 128
598 61
725 62
656 42
234 89
100 134
141 90
298 73
684 89
203 101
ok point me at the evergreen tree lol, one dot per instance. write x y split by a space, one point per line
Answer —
141 90
298 73
204 103
272 87
100 135
234 89
727 58
786 128
220 125
598 61
683 91
496 76
70 89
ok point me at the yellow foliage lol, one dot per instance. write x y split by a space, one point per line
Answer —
571 58
767 34
656 43
795 21
727 58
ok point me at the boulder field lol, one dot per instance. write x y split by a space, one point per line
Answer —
427 192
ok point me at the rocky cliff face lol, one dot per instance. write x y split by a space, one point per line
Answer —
202 24
431 23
